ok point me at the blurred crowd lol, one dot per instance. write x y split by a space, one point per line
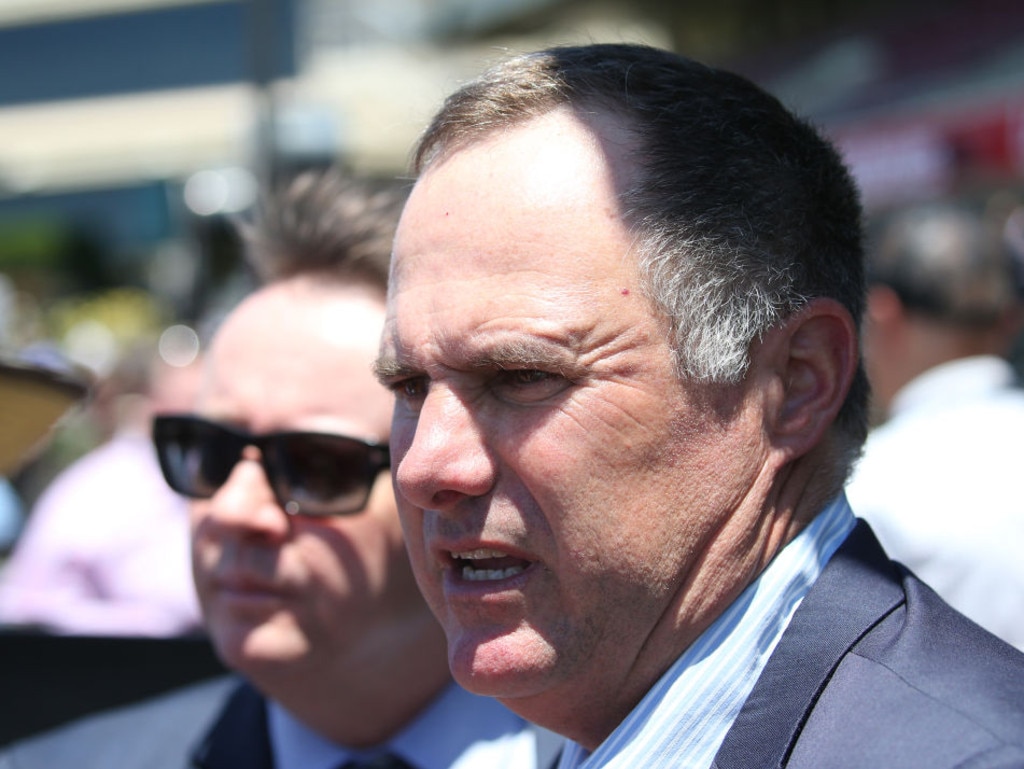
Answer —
938 480
92 540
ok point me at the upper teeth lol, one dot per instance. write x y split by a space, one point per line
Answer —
483 552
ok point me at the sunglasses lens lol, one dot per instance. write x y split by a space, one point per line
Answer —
311 473
196 456
323 474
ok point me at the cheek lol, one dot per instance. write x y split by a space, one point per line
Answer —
629 497
592 456
329 558
366 552
203 545
403 430
197 513
383 513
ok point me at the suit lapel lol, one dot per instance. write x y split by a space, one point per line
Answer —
239 736
857 588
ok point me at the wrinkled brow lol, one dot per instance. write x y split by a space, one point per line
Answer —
524 352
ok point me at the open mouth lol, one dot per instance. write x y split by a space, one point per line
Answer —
485 564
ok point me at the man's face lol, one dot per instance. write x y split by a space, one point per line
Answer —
562 492
285 594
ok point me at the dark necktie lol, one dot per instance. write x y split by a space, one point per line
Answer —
386 761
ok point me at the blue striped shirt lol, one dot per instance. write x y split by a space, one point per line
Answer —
683 719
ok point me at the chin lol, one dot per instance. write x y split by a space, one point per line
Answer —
518 664
250 649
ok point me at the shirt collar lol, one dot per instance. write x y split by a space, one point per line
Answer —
432 740
688 712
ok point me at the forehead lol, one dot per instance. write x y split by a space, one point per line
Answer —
297 354
535 208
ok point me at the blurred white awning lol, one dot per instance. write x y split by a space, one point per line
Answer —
32 11
374 101
61 145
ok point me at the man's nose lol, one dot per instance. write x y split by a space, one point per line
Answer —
246 501
442 453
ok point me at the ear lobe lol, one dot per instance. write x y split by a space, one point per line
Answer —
812 358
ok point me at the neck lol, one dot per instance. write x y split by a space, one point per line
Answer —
777 507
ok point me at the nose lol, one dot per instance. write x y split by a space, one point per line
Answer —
246 501
441 452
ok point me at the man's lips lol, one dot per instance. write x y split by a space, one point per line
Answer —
242 585
485 564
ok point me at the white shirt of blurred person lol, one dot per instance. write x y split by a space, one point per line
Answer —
940 479
105 548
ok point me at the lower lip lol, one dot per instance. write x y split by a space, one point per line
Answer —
247 599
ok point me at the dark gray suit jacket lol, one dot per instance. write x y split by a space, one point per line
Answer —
876 671
215 725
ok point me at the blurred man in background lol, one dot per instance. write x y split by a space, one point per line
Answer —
105 547
940 478
33 398
298 554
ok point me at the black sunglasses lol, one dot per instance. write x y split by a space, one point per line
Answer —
315 474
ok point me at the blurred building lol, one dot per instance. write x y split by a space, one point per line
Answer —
924 99
130 128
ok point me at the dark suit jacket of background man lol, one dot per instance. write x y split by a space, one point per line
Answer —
220 724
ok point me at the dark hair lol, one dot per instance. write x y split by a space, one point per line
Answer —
327 224
947 262
741 210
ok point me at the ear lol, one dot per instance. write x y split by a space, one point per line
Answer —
809 363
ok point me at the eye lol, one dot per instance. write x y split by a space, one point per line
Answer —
527 376
529 385
410 388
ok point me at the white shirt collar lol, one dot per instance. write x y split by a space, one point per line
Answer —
436 739
686 715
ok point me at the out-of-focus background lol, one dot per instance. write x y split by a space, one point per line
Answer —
133 131
130 129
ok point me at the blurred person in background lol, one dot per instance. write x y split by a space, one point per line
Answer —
33 397
940 478
12 516
12 509
298 554
104 550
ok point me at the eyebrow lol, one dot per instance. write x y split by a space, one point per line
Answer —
388 367
528 352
